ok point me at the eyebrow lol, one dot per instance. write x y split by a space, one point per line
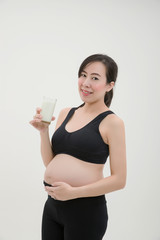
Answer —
93 73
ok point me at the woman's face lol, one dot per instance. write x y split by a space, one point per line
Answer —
92 82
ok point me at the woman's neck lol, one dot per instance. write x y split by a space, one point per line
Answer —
94 107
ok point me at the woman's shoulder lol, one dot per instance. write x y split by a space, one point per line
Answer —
66 110
113 121
63 113
112 127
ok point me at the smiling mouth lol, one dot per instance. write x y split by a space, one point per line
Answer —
85 91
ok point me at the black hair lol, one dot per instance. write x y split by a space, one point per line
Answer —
111 72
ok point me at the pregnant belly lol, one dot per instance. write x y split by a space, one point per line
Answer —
65 168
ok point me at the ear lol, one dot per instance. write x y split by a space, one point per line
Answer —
110 86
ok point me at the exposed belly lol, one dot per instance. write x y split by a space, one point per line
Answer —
65 168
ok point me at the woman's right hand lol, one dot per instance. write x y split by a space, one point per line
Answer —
37 121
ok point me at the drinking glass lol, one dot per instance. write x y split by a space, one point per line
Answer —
48 106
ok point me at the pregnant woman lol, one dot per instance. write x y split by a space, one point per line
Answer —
84 137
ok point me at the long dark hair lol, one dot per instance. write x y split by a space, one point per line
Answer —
111 72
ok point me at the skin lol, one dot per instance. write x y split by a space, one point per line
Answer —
92 88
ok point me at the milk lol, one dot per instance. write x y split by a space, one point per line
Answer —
48 106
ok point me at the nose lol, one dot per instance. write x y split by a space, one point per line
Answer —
86 82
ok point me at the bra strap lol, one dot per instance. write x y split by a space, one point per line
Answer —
69 115
99 118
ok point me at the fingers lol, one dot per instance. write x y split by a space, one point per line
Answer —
38 116
34 121
53 118
31 122
50 192
38 110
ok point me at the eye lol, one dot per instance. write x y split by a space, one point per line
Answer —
83 75
95 78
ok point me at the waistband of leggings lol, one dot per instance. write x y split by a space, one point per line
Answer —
96 199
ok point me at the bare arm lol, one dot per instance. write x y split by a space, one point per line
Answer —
43 128
46 147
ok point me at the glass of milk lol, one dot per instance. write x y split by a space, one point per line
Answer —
48 106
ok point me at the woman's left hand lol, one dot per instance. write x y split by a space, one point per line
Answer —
61 191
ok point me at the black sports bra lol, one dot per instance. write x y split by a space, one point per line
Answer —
85 143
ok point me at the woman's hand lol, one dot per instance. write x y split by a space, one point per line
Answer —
37 121
61 191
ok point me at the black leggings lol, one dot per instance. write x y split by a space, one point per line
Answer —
75 219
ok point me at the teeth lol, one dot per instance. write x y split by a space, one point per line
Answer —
85 91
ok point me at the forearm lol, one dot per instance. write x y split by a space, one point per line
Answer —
46 149
101 187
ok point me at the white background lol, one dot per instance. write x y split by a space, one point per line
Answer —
42 44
